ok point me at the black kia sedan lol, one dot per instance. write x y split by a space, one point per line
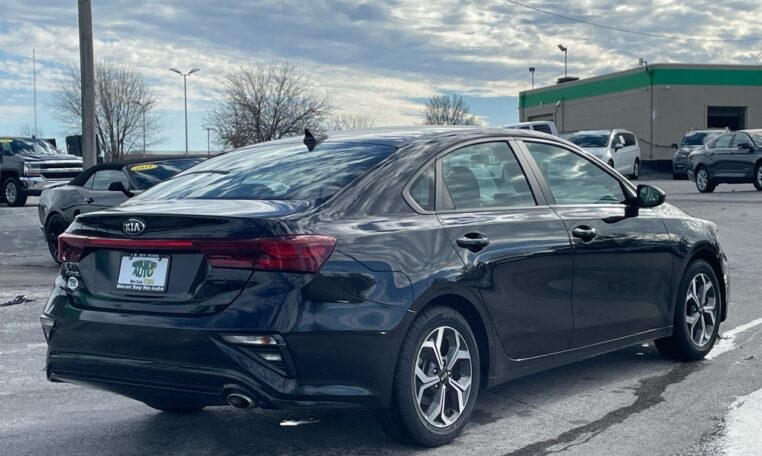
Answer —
397 270
732 158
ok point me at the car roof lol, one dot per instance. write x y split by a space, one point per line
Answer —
401 136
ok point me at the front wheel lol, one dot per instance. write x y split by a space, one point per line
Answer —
697 315
436 382
758 176
704 182
12 192
635 170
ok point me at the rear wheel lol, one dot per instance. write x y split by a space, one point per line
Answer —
12 192
436 382
55 227
635 170
697 315
704 182
758 176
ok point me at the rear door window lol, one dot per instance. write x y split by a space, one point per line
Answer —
723 142
422 189
484 176
275 172
545 128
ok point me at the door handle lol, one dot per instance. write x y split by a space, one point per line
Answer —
89 200
473 241
585 233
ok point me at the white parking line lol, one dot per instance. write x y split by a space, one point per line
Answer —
742 427
728 341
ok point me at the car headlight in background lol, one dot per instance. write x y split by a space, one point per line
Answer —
31 169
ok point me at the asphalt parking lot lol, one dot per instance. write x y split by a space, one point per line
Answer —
631 402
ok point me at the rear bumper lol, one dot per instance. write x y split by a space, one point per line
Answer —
151 358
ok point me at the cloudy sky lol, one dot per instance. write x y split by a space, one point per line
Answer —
376 58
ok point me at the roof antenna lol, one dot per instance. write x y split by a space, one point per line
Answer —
311 140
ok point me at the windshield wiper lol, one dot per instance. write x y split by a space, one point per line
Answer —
210 171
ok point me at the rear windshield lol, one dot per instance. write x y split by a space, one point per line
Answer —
276 172
588 139
698 138
151 173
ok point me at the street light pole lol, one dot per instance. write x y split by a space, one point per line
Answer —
185 92
143 108
565 50
208 143
87 78
531 70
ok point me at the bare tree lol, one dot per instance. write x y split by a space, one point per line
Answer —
121 95
350 122
267 101
448 110
29 131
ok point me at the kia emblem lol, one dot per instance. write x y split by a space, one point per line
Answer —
133 226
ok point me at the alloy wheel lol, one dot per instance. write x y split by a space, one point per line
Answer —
701 309
702 179
759 175
636 169
443 377
11 193
55 228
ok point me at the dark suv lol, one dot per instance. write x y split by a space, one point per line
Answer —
692 140
29 165
732 158
399 270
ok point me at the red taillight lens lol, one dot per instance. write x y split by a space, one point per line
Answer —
70 247
300 253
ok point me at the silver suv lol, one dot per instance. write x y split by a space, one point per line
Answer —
29 165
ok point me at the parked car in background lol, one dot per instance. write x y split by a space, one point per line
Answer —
732 158
618 148
543 126
397 270
29 165
691 141
101 187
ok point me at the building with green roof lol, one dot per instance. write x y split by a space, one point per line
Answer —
658 103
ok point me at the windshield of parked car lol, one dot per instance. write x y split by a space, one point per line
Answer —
699 138
30 146
277 172
148 174
583 139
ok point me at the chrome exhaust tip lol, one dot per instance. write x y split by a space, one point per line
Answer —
239 400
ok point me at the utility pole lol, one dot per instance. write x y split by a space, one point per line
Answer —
87 69
532 70
565 50
143 108
208 143
34 77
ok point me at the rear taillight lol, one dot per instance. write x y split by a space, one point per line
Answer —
299 253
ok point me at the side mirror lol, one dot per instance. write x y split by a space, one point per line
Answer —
618 146
745 146
674 146
119 187
650 196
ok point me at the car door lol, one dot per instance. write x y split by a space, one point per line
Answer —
620 155
720 153
95 194
515 249
622 256
741 158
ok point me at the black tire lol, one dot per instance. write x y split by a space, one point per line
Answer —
635 170
681 345
709 186
403 420
55 227
758 176
13 193
174 409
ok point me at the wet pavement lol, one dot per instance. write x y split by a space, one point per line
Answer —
631 402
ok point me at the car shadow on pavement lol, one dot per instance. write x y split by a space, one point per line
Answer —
509 417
